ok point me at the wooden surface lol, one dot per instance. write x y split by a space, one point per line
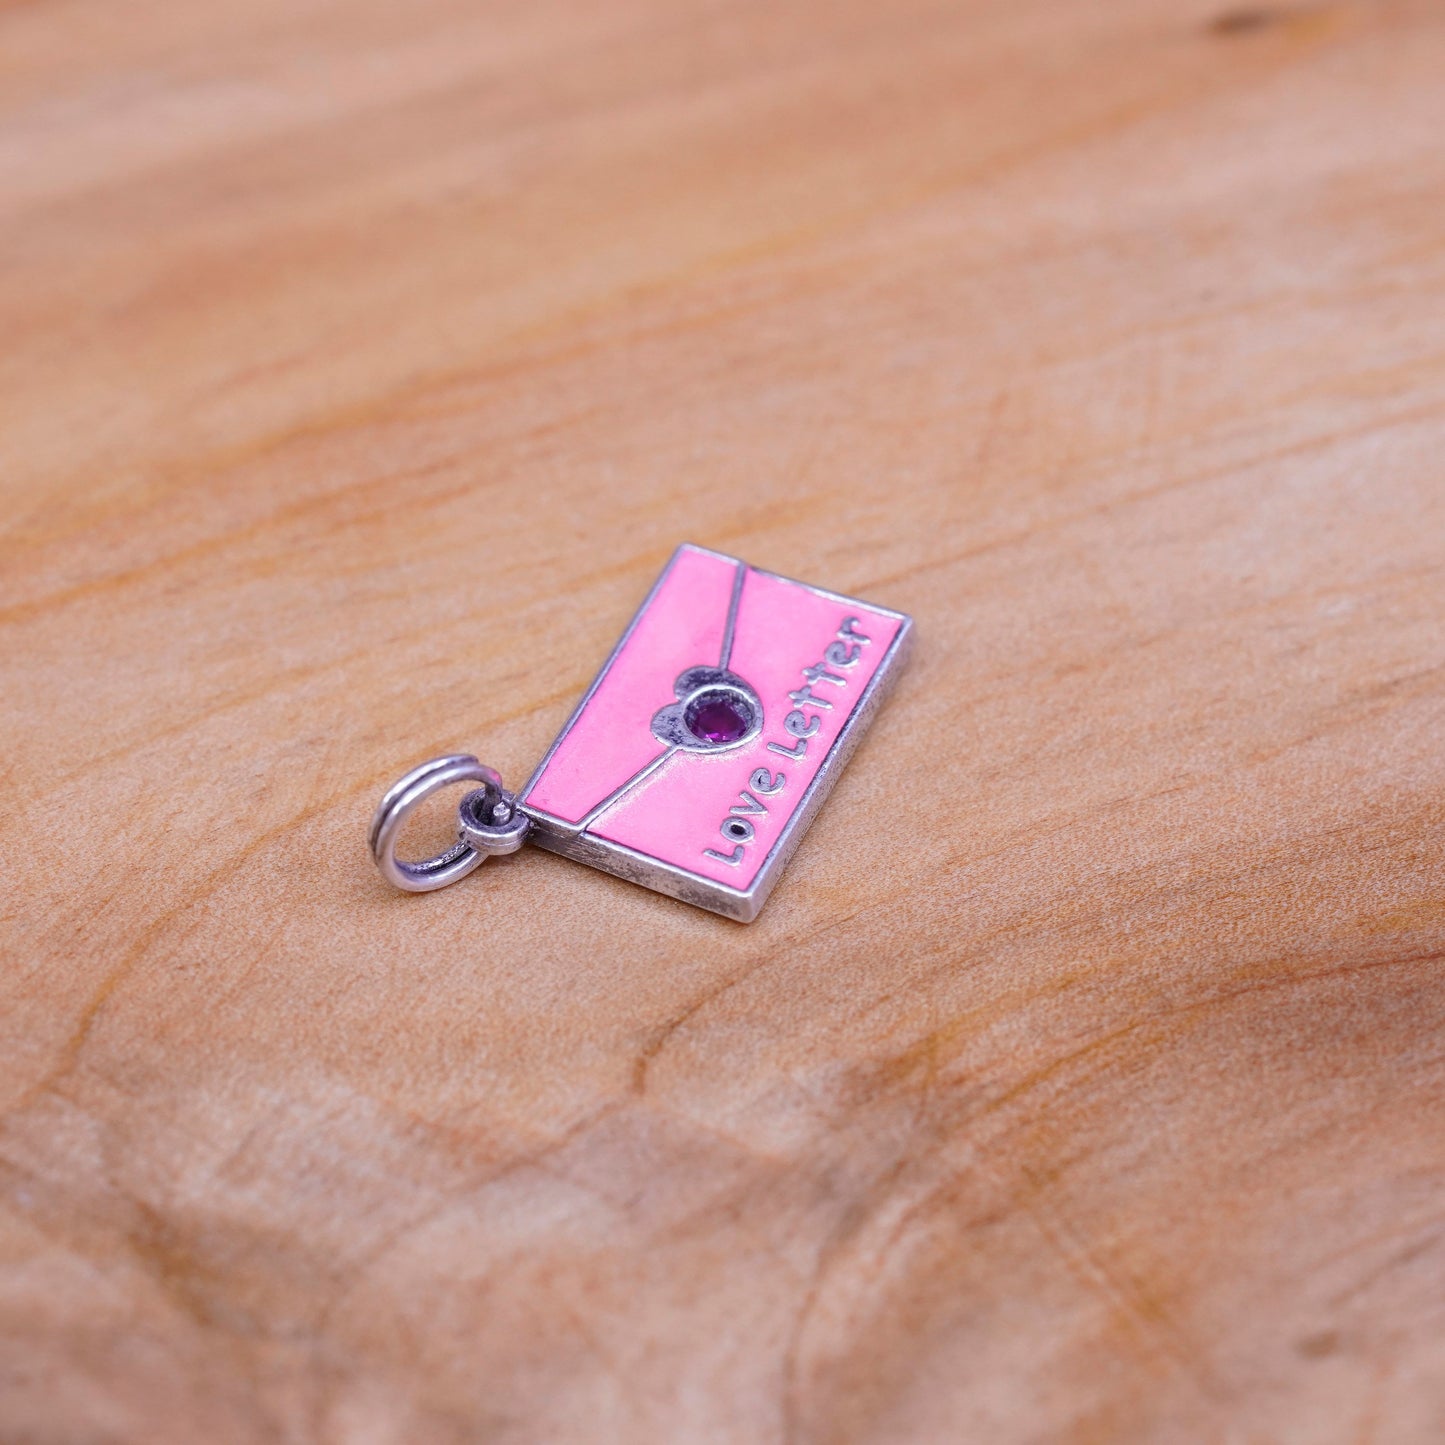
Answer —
1083 1080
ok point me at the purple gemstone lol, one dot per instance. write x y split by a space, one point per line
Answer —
716 718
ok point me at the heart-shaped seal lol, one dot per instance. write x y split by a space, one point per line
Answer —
715 711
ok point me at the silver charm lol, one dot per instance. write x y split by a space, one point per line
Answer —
700 753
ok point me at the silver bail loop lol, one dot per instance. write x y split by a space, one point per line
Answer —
488 823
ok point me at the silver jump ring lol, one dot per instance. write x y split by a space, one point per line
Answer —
403 795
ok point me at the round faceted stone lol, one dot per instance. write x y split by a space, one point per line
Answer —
717 717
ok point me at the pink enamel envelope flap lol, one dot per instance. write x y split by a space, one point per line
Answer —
703 748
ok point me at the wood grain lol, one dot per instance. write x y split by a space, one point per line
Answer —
1083 1081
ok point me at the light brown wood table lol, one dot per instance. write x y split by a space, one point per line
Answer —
360 364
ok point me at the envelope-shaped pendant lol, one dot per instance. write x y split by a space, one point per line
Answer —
700 753
702 750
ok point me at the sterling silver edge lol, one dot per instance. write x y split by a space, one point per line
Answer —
559 836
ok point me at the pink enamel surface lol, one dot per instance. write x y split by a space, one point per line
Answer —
612 739
676 813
